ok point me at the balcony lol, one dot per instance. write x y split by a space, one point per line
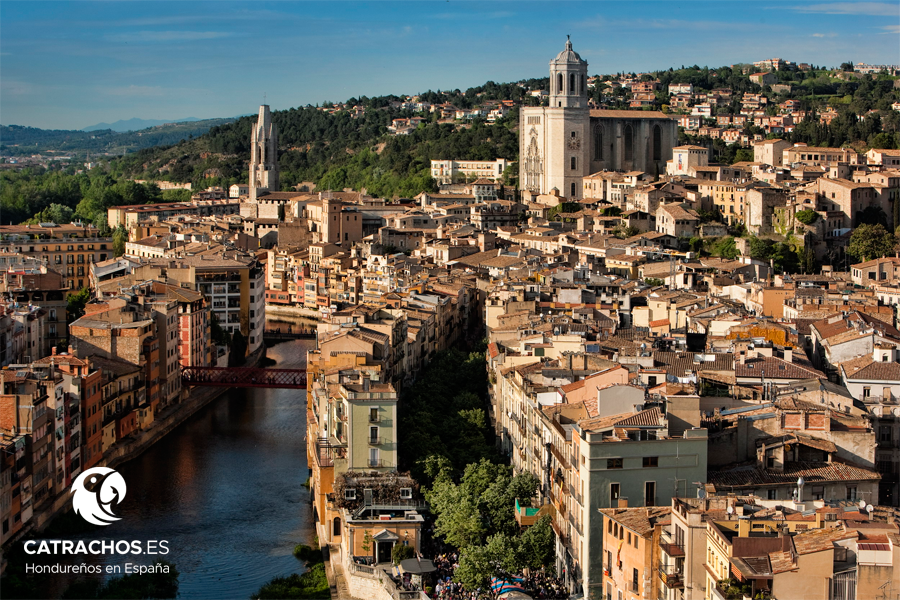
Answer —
672 577
375 463
375 440
374 418
667 544
527 516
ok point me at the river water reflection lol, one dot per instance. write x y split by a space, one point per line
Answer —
226 489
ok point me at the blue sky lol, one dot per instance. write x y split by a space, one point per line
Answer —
68 65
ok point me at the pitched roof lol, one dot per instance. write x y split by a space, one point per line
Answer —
629 114
639 519
865 367
751 476
775 368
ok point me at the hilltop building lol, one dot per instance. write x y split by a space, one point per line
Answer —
566 141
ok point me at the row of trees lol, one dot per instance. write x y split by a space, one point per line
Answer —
449 447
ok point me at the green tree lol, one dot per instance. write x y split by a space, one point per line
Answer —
807 216
481 505
725 247
401 552
809 259
119 239
75 304
870 241
536 545
871 215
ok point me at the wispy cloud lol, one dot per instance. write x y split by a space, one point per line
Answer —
891 29
497 14
168 36
873 9
644 24
137 91
16 88
824 35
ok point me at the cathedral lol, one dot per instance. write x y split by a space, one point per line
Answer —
565 141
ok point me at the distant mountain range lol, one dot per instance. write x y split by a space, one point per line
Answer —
16 140
136 124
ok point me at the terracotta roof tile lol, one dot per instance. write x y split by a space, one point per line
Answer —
751 476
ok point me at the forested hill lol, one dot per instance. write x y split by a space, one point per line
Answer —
338 150
16 140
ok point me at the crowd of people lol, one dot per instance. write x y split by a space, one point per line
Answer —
538 585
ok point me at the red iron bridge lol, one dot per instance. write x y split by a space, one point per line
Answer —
244 377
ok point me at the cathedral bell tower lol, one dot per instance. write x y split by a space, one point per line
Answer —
568 79
264 155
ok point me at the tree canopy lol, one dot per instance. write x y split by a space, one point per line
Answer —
870 241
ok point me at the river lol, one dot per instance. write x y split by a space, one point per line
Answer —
225 489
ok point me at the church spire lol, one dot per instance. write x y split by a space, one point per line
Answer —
568 79
264 155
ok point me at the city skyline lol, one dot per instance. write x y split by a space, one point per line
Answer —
71 65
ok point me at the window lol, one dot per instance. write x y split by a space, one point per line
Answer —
350 494
772 494
373 435
818 492
884 433
405 493
573 161
851 493
629 143
649 493
373 415
651 461
614 494
573 192
629 538
634 580
613 463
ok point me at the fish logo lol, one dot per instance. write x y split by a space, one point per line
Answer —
95 492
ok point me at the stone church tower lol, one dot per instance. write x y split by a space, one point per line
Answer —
562 143
264 155
552 140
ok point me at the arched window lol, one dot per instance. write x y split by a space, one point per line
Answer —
574 162
657 143
598 143
559 84
574 192
571 83
628 133
337 526
609 527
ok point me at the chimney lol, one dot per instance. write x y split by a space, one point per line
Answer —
788 354
743 357
366 381
623 503
53 352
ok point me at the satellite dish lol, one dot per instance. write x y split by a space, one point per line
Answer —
869 508
862 503
730 510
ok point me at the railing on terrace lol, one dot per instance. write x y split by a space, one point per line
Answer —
671 576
